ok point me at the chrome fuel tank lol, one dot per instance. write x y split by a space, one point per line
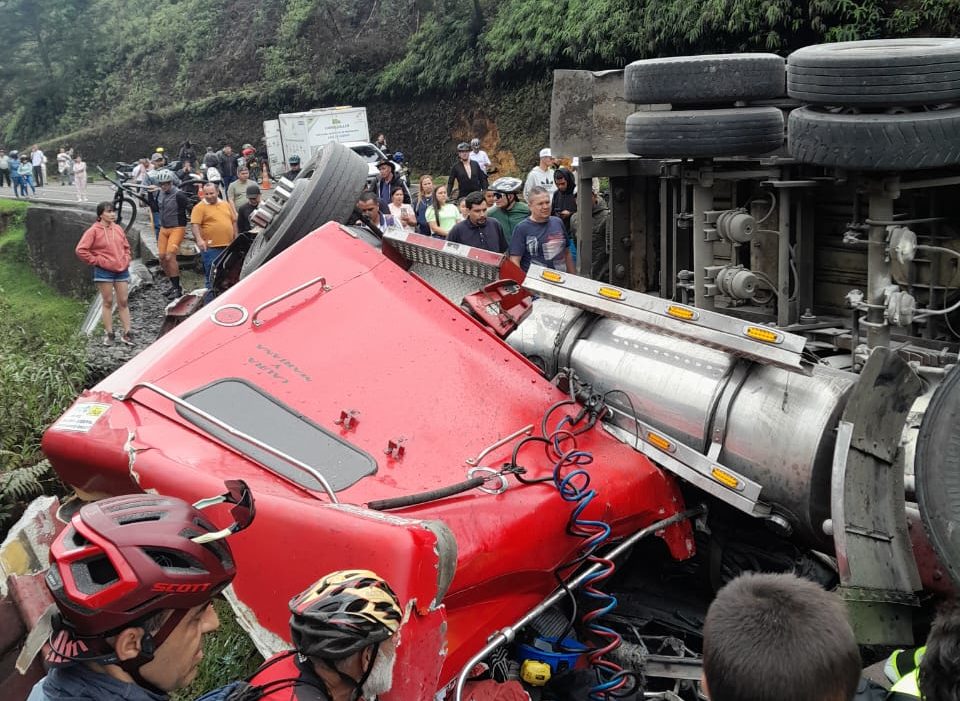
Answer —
772 425
674 386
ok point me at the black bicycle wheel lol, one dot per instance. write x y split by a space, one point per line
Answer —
126 209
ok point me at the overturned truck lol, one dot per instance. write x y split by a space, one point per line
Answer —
557 469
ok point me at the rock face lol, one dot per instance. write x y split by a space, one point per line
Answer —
511 121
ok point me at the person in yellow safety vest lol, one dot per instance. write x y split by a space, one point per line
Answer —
901 668
930 672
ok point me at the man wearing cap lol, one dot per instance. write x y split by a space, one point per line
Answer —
387 182
248 154
247 208
294 171
466 174
541 175
64 167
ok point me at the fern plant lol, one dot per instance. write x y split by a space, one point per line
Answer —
20 485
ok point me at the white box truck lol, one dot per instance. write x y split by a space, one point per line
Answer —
271 137
304 133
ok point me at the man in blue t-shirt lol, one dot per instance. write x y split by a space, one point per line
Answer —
540 238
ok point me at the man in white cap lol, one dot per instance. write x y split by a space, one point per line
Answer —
541 175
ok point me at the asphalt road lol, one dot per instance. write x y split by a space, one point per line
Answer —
96 192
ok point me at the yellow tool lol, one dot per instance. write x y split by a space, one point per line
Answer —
535 672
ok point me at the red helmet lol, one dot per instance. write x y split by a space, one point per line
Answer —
122 559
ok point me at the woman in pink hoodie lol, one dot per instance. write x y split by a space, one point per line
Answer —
105 247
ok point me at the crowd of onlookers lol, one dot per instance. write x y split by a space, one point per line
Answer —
26 172
534 220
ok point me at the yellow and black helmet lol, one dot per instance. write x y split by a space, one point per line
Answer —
343 613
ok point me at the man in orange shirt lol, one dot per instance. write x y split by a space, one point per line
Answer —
214 224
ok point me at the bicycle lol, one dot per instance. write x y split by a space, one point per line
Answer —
125 196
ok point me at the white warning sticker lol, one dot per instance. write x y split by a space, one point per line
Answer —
81 417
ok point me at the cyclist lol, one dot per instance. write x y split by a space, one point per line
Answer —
151 179
172 204
467 175
509 210
343 628
133 578
479 156
294 171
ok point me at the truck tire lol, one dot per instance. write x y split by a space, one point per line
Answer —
326 190
937 473
708 79
878 72
911 141
746 131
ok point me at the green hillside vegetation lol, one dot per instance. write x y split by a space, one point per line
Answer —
86 65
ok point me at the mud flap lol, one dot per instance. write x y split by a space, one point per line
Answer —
878 572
